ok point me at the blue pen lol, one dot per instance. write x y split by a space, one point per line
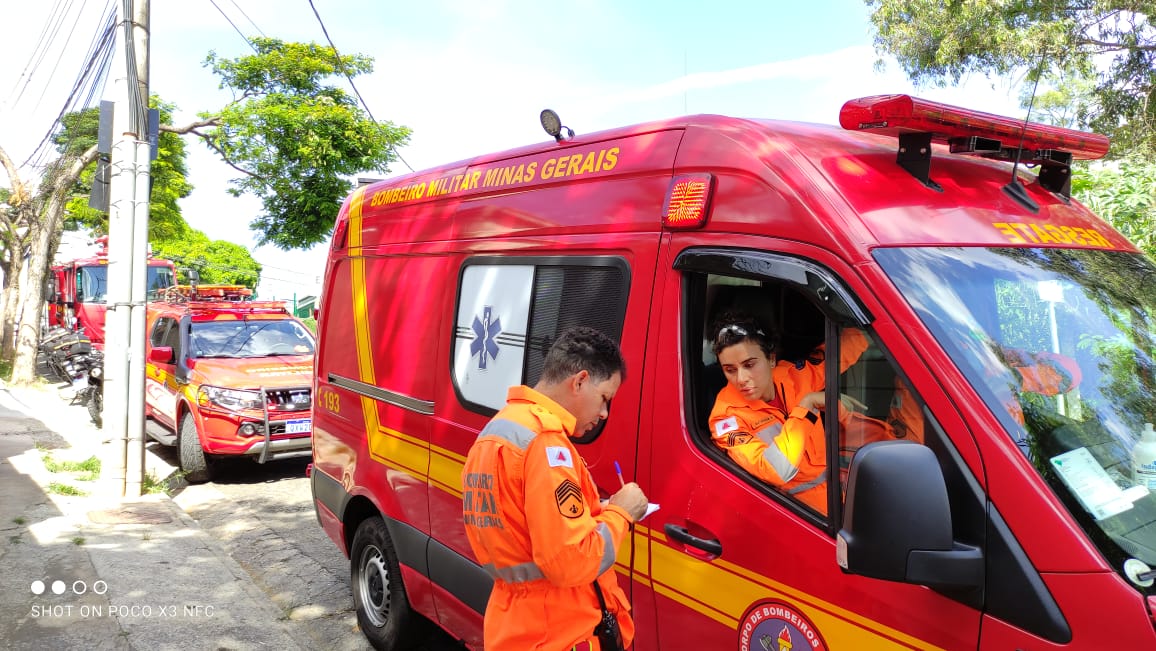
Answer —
618 469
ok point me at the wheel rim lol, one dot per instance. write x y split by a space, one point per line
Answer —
374 586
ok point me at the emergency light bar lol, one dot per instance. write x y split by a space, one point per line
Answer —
966 131
236 308
894 114
186 293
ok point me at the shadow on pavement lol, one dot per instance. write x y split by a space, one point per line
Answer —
42 552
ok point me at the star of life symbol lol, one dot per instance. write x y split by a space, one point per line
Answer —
486 329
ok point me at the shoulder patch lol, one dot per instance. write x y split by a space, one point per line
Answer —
556 455
569 498
724 426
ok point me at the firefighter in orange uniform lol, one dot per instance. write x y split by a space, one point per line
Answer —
531 509
767 416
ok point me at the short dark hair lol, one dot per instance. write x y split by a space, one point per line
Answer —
735 326
583 349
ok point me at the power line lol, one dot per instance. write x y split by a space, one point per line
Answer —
107 40
214 3
345 71
42 43
247 17
59 58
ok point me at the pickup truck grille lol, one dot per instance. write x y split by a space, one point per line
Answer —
296 399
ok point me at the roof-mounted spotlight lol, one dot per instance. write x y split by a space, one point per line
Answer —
553 126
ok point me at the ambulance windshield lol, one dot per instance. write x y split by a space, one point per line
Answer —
1061 346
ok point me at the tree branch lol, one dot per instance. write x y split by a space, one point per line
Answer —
1110 47
19 193
192 127
222 154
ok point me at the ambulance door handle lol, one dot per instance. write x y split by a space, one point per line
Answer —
710 546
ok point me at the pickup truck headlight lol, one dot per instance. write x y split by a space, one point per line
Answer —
231 399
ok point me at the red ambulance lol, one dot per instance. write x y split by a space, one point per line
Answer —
999 519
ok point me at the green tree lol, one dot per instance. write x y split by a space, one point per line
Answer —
1124 193
1108 44
168 174
294 138
216 261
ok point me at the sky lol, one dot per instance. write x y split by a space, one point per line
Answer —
470 77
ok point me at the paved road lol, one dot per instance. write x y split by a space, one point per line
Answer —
263 516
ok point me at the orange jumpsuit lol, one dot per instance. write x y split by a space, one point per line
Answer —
534 521
1045 373
783 444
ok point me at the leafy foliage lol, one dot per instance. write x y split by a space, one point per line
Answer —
1107 45
216 261
168 174
294 138
1124 193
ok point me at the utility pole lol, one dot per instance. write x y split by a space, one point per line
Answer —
135 454
127 258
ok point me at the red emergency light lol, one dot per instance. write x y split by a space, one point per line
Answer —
898 114
687 201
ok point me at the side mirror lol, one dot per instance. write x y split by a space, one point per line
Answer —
897 524
161 355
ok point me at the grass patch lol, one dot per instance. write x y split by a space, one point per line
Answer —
19 520
15 540
88 476
6 369
78 540
150 485
90 465
64 489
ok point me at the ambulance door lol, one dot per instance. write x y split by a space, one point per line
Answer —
734 562
161 387
507 310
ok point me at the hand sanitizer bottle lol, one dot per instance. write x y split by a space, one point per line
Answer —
1144 459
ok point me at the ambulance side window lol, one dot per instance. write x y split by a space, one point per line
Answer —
797 329
510 310
877 404
817 325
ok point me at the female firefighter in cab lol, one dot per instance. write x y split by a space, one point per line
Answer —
767 416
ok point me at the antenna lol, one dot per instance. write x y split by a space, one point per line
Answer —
1014 188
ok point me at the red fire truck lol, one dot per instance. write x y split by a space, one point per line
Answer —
77 289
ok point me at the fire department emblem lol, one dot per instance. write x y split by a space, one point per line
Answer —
775 626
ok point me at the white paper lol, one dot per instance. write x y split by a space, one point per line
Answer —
651 507
1090 483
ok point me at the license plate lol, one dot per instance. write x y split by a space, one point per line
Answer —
299 426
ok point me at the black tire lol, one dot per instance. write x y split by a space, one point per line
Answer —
96 405
193 461
383 609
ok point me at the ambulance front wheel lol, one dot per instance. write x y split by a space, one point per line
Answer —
193 461
383 610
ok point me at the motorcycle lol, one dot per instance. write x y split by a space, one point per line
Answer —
93 393
66 353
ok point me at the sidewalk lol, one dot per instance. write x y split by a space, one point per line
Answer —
86 572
